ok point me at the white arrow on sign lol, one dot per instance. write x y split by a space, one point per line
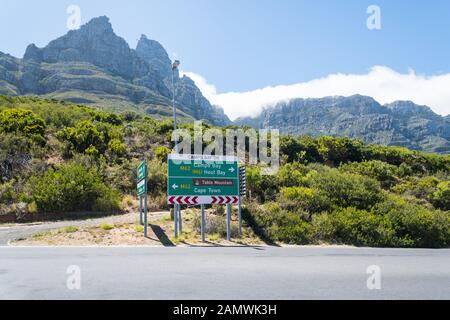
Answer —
174 187
231 169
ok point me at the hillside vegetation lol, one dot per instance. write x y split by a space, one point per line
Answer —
57 158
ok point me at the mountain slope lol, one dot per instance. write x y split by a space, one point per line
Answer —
401 123
93 65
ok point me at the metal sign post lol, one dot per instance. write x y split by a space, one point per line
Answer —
203 224
228 222
242 193
142 181
240 217
180 220
175 220
141 220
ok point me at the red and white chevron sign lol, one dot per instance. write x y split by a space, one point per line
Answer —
203 200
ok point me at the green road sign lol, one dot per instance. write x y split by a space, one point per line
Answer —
142 178
142 171
193 175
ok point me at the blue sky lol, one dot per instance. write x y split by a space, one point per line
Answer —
244 45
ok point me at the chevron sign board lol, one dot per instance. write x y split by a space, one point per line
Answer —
203 200
198 179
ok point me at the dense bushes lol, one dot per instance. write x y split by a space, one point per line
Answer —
416 226
346 190
337 151
441 197
391 224
72 188
385 173
23 122
353 226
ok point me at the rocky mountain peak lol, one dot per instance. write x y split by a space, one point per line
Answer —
93 65
33 53
155 55
409 108
99 25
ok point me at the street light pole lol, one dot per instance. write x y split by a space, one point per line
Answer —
177 208
175 66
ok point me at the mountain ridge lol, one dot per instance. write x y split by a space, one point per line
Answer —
93 65
400 123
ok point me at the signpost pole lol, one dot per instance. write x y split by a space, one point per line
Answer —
175 220
228 222
146 208
142 181
140 211
240 216
203 223
177 207
180 220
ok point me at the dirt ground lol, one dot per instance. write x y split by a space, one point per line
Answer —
123 232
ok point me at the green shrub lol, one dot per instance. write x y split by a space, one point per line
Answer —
157 175
273 222
355 227
339 150
70 188
24 122
294 175
84 136
385 173
262 187
161 153
441 197
348 190
117 148
107 201
308 199
293 230
7 192
416 226
107 117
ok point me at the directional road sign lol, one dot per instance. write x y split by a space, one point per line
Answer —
141 171
198 179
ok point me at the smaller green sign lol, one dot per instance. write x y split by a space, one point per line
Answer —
142 171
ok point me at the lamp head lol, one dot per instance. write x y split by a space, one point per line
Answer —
175 64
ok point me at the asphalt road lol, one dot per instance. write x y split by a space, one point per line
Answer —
223 273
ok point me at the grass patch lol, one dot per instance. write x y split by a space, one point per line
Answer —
40 235
106 227
214 237
180 239
70 229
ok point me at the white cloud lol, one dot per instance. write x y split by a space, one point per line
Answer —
382 83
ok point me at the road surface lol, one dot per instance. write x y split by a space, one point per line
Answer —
223 273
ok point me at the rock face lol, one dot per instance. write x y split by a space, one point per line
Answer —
401 123
189 96
93 65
